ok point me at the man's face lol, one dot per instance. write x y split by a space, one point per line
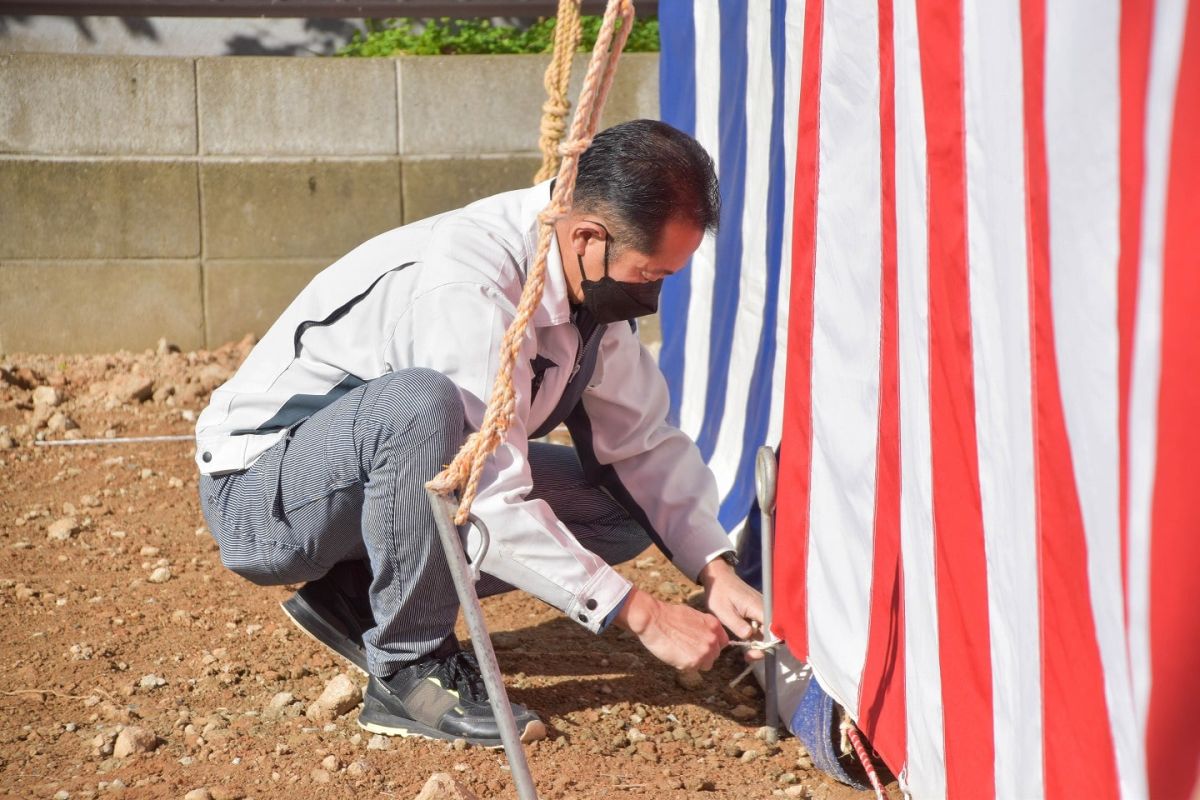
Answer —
678 242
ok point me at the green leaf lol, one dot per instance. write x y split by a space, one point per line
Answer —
409 36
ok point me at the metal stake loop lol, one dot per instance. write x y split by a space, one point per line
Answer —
766 468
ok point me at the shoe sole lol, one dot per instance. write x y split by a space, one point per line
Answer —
406 729
314 626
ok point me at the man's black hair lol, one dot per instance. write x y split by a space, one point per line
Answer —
643 173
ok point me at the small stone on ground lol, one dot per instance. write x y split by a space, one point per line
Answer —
743 713
63 529
689 679
340 696
442 786
133 740
46 396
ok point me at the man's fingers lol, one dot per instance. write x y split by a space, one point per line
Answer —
738 606
682 636
718 643
722 638
741 628
736 623
756 614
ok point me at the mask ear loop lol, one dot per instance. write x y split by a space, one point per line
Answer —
607 239
579 256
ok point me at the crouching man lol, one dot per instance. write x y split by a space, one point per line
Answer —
314 456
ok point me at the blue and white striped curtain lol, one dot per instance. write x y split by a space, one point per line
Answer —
729 76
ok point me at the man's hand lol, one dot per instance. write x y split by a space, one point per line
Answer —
733 602
675 634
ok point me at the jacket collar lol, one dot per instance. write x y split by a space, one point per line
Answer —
555 308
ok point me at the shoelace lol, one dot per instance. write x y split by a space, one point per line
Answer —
461 671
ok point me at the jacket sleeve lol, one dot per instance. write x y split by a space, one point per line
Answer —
651 467
456 328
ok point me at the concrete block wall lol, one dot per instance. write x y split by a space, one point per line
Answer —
191 198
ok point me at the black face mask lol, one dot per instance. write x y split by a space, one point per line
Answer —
611 300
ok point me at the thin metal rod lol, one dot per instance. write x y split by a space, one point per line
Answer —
464 582
182 437
765 477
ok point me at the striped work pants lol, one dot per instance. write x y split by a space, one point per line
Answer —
348 483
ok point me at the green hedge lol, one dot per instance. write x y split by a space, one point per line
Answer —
479 36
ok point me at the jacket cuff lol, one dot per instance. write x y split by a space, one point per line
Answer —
603 593
612 615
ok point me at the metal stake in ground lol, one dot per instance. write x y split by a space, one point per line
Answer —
182 437
465 573
766 470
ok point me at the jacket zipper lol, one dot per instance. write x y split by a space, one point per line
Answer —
578 353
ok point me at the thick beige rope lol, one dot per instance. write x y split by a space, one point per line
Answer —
567 32
464 471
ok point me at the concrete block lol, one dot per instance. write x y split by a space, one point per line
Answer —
297 106
98 209
99 306
634 93
247 296
432 186
453 105
305 209
87 105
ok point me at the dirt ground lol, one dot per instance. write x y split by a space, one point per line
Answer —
122 631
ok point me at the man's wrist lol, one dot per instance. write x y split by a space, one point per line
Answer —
635 612
721 566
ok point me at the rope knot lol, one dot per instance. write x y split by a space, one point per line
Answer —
552 214
558 106
575 147
551 130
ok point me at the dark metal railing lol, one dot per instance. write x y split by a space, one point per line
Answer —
304 8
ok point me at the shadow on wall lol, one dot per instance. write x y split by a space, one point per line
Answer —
134 27
326 36
175 36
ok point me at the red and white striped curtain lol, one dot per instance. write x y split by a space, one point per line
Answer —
989 518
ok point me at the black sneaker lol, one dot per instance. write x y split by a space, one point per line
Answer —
336 610
442 696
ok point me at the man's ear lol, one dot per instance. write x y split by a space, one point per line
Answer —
583 232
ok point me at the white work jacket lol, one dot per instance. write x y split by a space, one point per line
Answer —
440 294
